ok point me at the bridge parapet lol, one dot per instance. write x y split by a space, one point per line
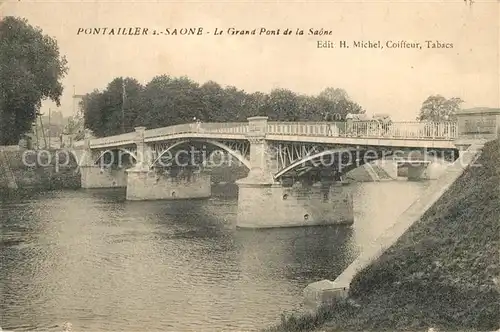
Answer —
446 130
225 127
209 127
171 130
122 139
303 128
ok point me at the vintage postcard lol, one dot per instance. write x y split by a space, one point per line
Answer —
249 166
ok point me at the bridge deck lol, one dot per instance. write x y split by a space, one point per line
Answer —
398 134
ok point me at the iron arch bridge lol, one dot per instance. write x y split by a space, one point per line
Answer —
274 152
287 159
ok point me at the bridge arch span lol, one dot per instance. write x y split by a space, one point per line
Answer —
123 150
234 153
355 158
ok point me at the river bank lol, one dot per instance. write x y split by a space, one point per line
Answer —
49 170
443 273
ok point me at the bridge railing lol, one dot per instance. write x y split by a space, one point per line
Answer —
305 128
225 127
369 129
168 131
426 130
414 130
127 137
208 127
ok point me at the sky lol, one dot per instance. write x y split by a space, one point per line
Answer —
392 81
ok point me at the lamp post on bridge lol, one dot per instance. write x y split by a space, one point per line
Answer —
123 105
78 97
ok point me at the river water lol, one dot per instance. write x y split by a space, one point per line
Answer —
105 264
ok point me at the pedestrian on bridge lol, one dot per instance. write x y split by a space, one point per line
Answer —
349 119
198 125
329 118
193 125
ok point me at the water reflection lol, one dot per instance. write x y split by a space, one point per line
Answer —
102 263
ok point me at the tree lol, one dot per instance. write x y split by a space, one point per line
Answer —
167 101
170 101
115 109
282 105
438 108
132 103
92 105
343 107
336 104
334 94
74 126
212 97
234 105
155 103
31 69
255 104
185 101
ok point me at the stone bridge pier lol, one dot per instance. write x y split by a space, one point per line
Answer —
418 171
182 183
264 202
146 182
96 176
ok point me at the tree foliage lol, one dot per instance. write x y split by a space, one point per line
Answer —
438 108
74 126
334 94
166 101
30 71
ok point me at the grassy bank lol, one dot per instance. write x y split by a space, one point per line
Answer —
44 171
443 273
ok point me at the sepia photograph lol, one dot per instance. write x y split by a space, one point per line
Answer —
273 166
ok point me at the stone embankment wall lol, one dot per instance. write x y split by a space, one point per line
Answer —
376 171
325 291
